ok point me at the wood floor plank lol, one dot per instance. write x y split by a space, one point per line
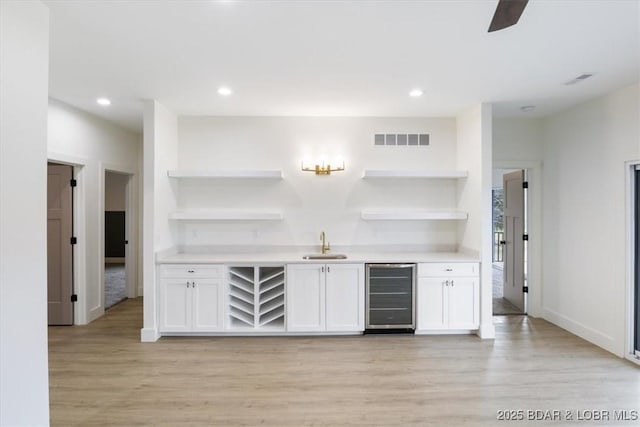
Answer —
100 374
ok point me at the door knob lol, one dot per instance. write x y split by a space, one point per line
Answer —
503 242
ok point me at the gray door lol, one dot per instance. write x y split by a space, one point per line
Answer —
59 249
636 307
513 236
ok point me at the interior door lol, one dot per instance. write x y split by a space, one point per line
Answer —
514 238
59 249
636 310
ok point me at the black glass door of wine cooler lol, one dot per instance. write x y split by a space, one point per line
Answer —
390 296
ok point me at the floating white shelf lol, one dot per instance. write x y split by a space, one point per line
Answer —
220 174
387 173
227 215
411 214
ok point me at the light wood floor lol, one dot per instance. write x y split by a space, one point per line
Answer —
101 374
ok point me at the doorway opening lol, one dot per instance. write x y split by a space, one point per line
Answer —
60 241
509 228
636 305
115 238
633 293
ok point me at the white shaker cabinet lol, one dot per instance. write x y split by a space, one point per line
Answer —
448 296
325 297
344 297
305 296
190 298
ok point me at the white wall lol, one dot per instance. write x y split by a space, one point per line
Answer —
517 139
313 203
584 216
93 146
115 190
474 129
160 156
24 63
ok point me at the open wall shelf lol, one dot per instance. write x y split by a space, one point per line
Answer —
226 174
412 215
387 173
227 215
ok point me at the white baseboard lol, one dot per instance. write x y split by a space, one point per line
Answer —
95 313
487 331
445 332
149 335
585 332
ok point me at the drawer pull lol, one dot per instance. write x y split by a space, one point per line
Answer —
190 271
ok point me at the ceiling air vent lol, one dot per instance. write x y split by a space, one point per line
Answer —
404 139
578 79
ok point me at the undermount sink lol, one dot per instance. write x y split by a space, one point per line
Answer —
325 256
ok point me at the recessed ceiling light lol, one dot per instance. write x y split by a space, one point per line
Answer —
103 101
527 108
224 91
416 93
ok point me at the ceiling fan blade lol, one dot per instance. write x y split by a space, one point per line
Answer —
507 14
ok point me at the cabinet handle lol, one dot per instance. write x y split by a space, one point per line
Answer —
187 284
446 283
193 284
452 283
190 271
322 269
328 269
448 269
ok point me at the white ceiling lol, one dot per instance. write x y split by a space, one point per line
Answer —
337 58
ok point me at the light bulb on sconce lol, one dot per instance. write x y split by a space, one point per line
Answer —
322 167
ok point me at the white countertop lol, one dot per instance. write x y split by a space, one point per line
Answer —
290 256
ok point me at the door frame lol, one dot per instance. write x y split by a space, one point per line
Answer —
78 164
630 172
131 227
533 214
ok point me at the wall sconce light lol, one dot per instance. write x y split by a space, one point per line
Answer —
321 169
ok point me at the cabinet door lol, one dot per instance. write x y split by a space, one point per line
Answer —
206 305
345 297
431 300
463 303
305 296
175 305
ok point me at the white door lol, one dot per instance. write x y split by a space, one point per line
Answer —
514 232
175 305
345 297
431 300
206 305
463 303
305 296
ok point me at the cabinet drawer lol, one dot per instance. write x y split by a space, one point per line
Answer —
189 271
450 269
